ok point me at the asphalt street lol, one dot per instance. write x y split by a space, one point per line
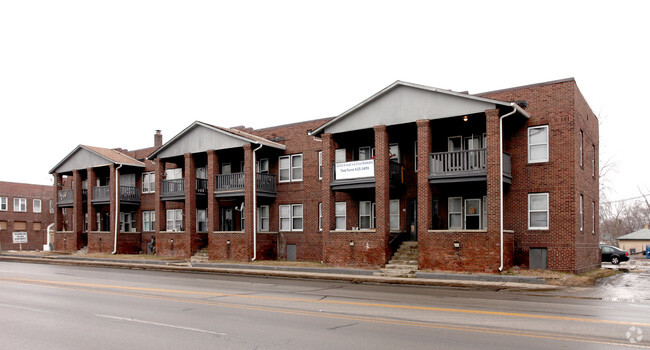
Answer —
75 307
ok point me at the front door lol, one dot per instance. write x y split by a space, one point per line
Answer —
226 218
412 219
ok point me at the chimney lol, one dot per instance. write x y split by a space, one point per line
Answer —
157 139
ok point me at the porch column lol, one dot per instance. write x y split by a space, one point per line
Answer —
424 213
189 214
92 212
249 172
78 210
58 215
382 189
494 177
114 204
213 205
161 209
328 196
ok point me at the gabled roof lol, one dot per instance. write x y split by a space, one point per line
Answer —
398 84
83 157
233 136
642 234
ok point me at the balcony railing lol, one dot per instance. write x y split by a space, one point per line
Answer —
66 197
459 164
176 188
129 194
102 194
235 182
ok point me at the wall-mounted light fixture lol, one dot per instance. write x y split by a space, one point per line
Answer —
351 243
456 244
465 118
172 241
228 242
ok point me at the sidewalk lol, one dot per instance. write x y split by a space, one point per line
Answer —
482 282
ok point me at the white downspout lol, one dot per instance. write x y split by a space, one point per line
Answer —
47 247
117 206
514 109
255 204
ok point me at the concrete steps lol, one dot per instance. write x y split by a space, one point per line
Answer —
201 256
404 262
82 251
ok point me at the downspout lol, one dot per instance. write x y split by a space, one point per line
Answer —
117 206
49 227
255 204
514 109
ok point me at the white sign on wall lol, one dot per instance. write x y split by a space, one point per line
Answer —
20 237
353 170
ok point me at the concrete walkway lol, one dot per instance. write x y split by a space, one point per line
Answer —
483 282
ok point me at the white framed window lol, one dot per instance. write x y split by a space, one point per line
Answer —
174 220
320 216
393 213
201 220
394 152
340 215
582 213
538 144
415 159
538 211
3 204
85 222
20 204
593 160
51 206
593 217
263 218
263 166
366 215
582 136
473 214
149 182
148 221
174 174
340 155
455 212
290 168
484 216
320 165
127 222
291 217
36 205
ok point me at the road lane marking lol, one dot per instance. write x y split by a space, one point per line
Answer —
369 319
22 307
128 319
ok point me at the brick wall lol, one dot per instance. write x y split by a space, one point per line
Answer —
35 224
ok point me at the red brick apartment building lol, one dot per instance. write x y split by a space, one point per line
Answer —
481 183
25 209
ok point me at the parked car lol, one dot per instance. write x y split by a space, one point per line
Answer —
613 254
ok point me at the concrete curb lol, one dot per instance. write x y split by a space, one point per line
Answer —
333 274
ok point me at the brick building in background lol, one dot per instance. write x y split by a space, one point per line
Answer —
25 208
411 166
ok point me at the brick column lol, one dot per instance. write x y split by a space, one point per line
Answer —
161 208
424 188
77 210
58 215
249 172
92 212
494 179
213 205
189 212
328 196
114 205
382 189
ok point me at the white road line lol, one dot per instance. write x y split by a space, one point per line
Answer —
21 307
159 324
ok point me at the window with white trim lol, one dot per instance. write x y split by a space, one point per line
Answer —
320 165
538 144
415 159
149 182
36 206
263 166
51 206
484 215
20 204
340 215
127 221
538 211
290 168
455 213
394 153
201 220
320 216
593 217
340 155
473 214
582 136
3 203
148 221
291 217
263 218
366 215
593 160
582 213
174 220
393 214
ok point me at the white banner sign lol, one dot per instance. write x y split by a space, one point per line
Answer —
353 170
20 237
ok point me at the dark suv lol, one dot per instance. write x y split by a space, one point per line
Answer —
613 254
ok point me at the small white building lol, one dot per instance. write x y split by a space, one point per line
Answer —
636 241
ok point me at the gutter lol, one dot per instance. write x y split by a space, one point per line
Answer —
514 109
117 206
255 203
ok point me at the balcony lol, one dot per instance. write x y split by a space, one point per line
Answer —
232 185
175 189
361 174
128 195
464 166
65 198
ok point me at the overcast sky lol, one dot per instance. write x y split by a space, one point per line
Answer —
109 73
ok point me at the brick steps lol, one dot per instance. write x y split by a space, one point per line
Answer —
200 256
404 262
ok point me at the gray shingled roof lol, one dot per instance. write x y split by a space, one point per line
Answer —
642 234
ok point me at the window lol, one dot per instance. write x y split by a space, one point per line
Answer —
320 165
393 149
484 217
415 157
340 156
51 206
593 160
291 217
226 168
37 206
364 153
394 214
291 168
320 216
538 144
593 217
582 213
174 174
582 135
3 204
201 173
20 204
149 221
149 182
473 214
127 222
454 143
340 213
201 220
366 215
455 212
538 211
174 220
263 166
85 222
263 218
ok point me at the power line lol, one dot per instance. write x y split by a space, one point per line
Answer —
627 199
